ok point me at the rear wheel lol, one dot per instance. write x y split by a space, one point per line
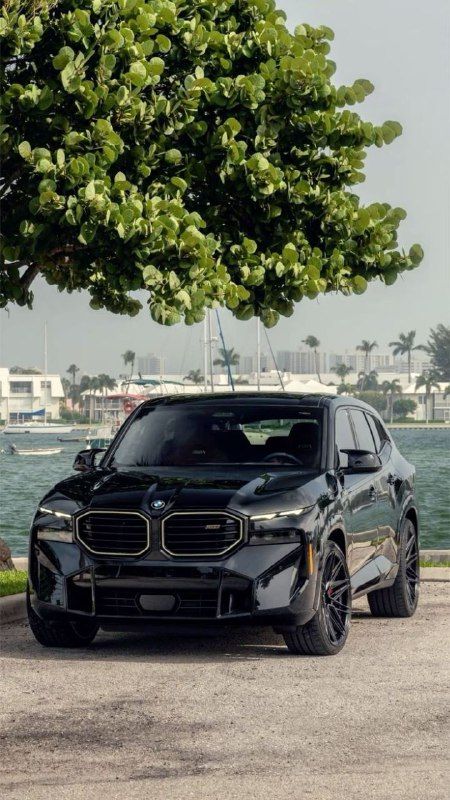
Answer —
326 633
60 634
400 599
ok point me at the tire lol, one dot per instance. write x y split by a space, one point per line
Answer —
400 599
326 633
60 634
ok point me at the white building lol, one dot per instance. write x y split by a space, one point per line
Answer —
151 364
27 396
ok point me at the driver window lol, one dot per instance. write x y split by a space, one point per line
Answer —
363 432
344 436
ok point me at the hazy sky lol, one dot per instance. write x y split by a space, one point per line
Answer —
402 47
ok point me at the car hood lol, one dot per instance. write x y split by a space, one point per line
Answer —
241 489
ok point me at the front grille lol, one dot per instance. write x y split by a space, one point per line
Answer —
200 533
198 604
114 533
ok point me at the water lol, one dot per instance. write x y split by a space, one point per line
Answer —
25 479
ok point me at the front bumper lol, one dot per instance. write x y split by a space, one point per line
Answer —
262 584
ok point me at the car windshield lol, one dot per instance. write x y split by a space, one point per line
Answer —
221 433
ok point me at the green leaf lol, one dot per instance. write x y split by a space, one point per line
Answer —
164 43
25 150
416 254
173 156
156 66
65 55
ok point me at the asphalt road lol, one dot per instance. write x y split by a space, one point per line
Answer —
235 717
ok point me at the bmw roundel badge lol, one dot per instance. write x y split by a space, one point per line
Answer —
158 504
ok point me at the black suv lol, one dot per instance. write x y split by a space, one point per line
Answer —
275 509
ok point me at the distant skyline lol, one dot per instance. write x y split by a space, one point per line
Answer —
403 50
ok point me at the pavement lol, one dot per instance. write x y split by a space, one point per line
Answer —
236 716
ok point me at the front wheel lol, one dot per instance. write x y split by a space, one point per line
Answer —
326 633
400 599
60 634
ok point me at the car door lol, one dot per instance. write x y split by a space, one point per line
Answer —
359 505
388 484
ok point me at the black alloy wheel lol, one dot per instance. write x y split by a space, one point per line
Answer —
326 633
401 599
60 634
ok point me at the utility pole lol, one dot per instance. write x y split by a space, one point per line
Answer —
210 341
205 350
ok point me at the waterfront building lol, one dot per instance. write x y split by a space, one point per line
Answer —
25 396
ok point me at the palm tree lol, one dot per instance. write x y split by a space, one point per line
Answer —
342 371
428 382
366 347
391 388
105 382
227 358
194 376
72 370
371 384
447 392
129 357
313 343
405 346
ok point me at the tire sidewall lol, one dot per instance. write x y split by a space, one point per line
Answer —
332 547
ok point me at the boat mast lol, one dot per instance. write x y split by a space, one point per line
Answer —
258 354
45 373
210 343
205 350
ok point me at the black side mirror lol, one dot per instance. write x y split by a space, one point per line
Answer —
362 461
85 459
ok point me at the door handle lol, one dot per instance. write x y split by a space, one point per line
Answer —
372 493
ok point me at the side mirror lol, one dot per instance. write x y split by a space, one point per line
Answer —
85 459
362 461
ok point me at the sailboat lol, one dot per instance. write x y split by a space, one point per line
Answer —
33 425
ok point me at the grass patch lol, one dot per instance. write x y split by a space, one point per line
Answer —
435 563
12 582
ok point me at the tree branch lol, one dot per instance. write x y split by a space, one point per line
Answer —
29 275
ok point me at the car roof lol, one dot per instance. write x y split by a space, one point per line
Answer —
264 397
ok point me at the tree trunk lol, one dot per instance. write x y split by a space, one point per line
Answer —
409 366
6 562
316 358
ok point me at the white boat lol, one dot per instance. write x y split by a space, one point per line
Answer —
12 450
37 427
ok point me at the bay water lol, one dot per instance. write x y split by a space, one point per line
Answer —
24 480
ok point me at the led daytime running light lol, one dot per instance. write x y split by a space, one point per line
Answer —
276 515
60 514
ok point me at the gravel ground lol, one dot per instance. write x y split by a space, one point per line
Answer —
134 717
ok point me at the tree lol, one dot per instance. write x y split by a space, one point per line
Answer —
405 346
375 399
438 348
194 376
72 370
446 392
129 357
227 359
428 382
197 150
314 343
342 371
404 406
366 347
390 389
105 383
24 371
367 382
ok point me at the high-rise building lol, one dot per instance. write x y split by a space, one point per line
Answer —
301 361
151 364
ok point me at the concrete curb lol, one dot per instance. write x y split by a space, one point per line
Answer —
13 608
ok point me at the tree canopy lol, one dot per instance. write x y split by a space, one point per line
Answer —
194 148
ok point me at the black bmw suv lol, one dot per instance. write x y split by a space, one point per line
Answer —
275 509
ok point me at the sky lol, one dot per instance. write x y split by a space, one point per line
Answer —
402 47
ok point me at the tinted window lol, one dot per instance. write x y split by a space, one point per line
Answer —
221 433
344 436
362 430
375 433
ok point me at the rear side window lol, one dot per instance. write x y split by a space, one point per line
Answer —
362 430
375 433
344 436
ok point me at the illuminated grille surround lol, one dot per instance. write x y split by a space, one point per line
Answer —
114 553
205 513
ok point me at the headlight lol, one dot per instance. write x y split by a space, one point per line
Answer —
294 513
62 532
279 527
54 513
